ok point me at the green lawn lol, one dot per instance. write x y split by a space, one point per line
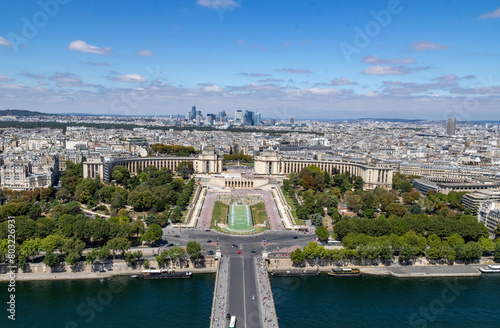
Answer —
259 213
220 213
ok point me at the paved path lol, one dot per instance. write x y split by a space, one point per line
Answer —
207 210
220 301
266 301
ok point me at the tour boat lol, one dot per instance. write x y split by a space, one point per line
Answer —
490 269
345 272
162 274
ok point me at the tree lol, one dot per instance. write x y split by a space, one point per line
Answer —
72 258
137 227
317 220
51 259
51 243
406 253
176 253
153 233
487 244
103 253
312 177
396 209
497 252
297 256
193 249
120 174
92 256
118 244
322 233
31 247
369 201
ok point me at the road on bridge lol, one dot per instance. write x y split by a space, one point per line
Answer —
242 289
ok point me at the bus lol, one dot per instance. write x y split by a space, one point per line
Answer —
334 243
232 323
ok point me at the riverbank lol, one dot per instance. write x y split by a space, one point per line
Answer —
89 275
411 271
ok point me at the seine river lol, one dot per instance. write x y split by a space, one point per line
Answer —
323 301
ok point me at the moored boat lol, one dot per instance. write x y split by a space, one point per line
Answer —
345 272
164 274
288 273
490 269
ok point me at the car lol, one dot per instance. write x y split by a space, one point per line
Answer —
264 240
209 241
238 252
295 237
178 244
170 245
253 297
253 252
177 236
208 230
210 252
191 229
234 245
228 316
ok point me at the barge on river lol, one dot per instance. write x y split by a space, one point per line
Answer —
165 274
344 272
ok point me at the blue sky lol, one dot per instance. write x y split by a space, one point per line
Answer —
308 59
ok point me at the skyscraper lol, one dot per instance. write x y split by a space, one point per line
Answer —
193 113
451 126
238 116
257 118
249 118
222 116
291 120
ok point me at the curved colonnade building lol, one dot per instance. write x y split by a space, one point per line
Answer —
271 162
267 163
206 162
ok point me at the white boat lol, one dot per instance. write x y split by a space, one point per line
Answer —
490 269
135 276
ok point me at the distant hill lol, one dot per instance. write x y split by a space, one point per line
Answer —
20 112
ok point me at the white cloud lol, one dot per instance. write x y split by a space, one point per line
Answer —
386 70
217 4
427 46
343 81
130 78
493 14
68 80
322 92
4 78
449 77
145 53
212 88
373 59
32 76
294 70
82 46
5 42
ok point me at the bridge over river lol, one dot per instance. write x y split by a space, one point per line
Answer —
242 289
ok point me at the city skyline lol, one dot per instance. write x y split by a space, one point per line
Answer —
322 60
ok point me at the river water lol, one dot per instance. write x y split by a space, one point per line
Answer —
366 301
